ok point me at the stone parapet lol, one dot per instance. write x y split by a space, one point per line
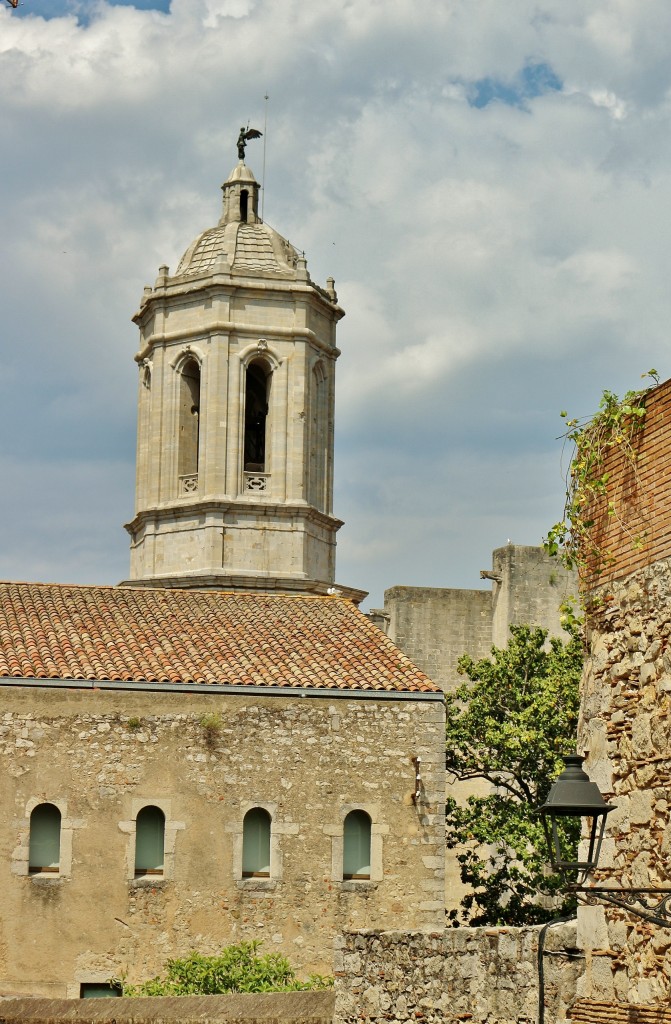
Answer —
482 975
297 1007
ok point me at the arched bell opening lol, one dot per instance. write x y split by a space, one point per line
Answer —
189 426
258 379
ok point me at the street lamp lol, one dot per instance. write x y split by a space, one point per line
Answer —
573 797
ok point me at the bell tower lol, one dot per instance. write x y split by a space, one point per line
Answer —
234 484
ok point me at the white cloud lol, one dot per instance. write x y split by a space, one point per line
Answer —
496 264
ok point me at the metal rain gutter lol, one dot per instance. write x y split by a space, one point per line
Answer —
330 693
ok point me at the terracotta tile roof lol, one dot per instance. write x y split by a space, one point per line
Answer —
51 631
587 1011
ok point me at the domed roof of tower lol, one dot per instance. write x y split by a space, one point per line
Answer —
241 239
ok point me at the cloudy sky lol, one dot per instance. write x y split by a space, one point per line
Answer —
487 182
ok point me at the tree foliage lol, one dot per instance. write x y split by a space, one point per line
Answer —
509 726
238 968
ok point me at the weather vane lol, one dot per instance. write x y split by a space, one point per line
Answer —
243 138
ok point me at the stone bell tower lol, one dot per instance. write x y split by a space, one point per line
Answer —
237 359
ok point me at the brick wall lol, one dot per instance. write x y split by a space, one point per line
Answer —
640 494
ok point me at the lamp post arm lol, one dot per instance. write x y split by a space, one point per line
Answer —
651 904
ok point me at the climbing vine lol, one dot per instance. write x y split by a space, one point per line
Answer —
615 425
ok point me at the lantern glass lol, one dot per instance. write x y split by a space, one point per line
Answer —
572 798
568 842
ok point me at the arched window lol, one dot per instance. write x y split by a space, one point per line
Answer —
45 839
244 204
257 397
318 439
356 845
189 419
256 844
149 841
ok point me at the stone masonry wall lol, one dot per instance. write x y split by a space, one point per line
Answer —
480 975
100 756
435 626
531 590
626 731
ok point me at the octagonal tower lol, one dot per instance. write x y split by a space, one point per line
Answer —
234 483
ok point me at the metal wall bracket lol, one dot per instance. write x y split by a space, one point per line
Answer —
650 904
417 762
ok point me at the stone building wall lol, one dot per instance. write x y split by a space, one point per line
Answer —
626 730
625 726
529 588
101 755
481 975
271 1007
434 626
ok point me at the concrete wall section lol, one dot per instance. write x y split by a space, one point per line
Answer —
434 626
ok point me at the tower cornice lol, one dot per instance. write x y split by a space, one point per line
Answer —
190 506
237 328
211 286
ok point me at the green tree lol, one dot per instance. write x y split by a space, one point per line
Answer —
238 968
509 726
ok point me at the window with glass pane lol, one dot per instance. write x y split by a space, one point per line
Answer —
356 845
149 841
256 844
99 990
45 839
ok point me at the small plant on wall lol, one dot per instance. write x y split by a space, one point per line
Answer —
212 726
615 427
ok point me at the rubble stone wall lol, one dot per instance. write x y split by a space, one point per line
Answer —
626 731
480 975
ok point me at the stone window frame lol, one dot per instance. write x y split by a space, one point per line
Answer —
20 860
278 828
264 353
172 827
377 830
184 354
90 977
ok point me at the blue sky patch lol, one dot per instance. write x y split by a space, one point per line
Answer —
533 80
84 9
